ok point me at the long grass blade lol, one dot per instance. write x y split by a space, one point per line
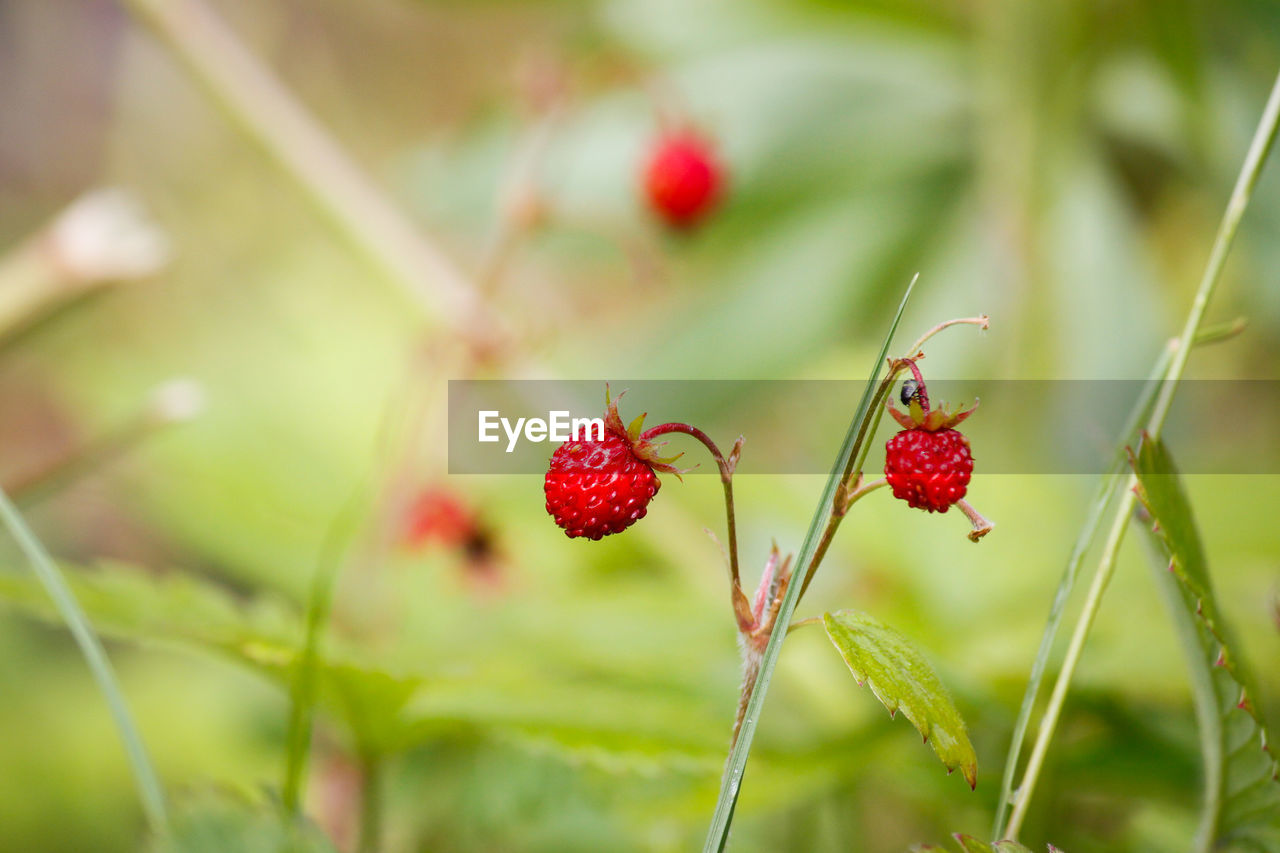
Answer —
149 788
731 785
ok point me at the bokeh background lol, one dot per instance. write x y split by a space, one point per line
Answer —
492 685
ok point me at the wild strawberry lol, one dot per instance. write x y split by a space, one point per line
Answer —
927 464
595 488
683 179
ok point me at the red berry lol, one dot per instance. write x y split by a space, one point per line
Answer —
438 515
683 179
928 464
928 469
595 488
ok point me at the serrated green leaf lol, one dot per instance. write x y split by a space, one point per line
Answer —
1242 794
902 679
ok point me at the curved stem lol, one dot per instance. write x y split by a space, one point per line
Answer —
982 321
741 606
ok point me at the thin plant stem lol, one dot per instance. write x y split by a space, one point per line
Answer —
731 783
741 606
1251 170
305 684
51 578
264 108
853 470
1103 497
371 771
845 499
982 322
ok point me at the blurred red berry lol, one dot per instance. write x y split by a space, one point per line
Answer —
438 516
683 179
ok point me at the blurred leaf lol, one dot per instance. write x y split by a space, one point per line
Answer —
1242 794
969 844
215 824
599 723
899 676
169 607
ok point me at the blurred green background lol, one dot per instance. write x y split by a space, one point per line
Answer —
1060 166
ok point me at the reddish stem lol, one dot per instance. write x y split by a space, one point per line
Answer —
741 605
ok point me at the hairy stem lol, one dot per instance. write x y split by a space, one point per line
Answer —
741 606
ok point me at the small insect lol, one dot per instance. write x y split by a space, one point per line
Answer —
910 389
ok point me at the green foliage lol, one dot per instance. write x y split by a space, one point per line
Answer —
969 844
218 823
902 679
1241 791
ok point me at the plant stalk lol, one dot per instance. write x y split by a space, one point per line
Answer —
1260 147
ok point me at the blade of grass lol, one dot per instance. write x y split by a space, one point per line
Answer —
1102 499
1263 140
731 784
149 789
305 684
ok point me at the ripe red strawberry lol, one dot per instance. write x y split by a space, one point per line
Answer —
595 488
927 464
683 179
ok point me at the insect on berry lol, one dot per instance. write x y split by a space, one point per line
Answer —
927 464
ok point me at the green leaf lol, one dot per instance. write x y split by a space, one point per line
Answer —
902 679
215 823
387 710
166 607
1242 794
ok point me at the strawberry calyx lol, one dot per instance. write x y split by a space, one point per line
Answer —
919 414
644 450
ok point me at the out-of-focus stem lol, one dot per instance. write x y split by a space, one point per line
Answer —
174 402
101 238
370 805
256 100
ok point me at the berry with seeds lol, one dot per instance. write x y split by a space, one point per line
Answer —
596 488
928 464
683 179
